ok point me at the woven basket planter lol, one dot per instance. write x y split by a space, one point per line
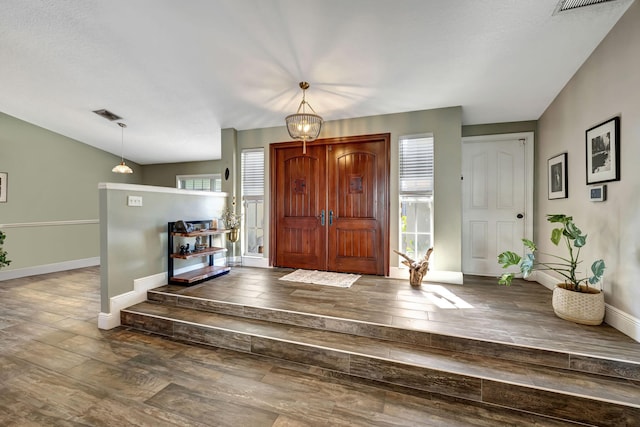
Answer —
586 308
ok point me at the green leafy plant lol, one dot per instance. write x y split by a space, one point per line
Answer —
3 254
573 239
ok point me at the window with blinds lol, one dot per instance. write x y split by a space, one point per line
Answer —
416 195
209 182
416 165
252 176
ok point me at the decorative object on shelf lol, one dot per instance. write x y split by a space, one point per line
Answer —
183 227
3 186
582 307
179 249
603 152
214 224
200 244
557 174
122 167
3 254
302 125
417 269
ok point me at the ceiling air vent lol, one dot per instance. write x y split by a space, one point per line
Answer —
565 5
107 115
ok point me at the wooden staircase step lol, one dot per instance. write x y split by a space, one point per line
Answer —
511 352
545 390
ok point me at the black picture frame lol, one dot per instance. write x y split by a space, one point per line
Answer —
603 152
557 177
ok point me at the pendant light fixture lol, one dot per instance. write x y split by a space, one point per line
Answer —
122 167
302 125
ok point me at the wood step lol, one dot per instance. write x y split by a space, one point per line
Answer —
167 295
548 391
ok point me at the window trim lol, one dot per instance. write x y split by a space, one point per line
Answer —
426 194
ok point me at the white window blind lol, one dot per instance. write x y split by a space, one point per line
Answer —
211 182
416 165
253 172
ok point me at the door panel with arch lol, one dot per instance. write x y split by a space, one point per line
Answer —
330 207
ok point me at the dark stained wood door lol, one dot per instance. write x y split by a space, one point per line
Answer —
330 207
300 195
356 206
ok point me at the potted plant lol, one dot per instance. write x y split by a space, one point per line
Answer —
231 222
3 254
574 299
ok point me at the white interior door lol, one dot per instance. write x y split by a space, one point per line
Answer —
497 199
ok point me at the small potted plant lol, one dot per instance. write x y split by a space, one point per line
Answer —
232 222
573 299
3 254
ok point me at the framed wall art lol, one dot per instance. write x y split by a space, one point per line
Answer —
557 166
3 187
603 152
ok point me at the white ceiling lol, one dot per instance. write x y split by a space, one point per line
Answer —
178 71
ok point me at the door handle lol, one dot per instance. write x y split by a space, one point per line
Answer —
330 217
520 216
322 218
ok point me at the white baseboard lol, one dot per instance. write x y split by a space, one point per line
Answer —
137 295
250 261
451 277
624 322
614 317
49 268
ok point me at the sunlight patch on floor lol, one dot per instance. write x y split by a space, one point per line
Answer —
435 294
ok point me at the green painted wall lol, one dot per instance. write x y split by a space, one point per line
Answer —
51 213
499 128
134 239
444 123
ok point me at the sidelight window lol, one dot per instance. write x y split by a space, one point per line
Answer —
253 200
416 195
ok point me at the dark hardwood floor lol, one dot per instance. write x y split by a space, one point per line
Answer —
58 369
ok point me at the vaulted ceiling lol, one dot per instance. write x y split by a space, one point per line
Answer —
179 71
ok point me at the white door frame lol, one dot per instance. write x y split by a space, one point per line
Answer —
528 139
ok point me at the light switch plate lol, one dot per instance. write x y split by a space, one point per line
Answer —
134 200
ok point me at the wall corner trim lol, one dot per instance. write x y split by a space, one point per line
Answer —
137 295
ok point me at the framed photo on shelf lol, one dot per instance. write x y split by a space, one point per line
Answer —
3 187
603 152
557 166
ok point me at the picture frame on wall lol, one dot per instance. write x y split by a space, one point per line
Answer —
557 167
603 152
3 186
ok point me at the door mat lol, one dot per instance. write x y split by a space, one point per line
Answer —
328 278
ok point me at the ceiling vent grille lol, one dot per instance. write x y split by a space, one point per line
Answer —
107 115
565 5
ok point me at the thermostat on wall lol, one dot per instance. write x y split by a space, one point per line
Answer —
598 193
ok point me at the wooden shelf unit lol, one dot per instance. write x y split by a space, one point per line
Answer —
198 274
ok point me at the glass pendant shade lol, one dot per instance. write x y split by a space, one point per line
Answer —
122 167
304 126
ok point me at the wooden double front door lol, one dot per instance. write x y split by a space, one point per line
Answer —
330 206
